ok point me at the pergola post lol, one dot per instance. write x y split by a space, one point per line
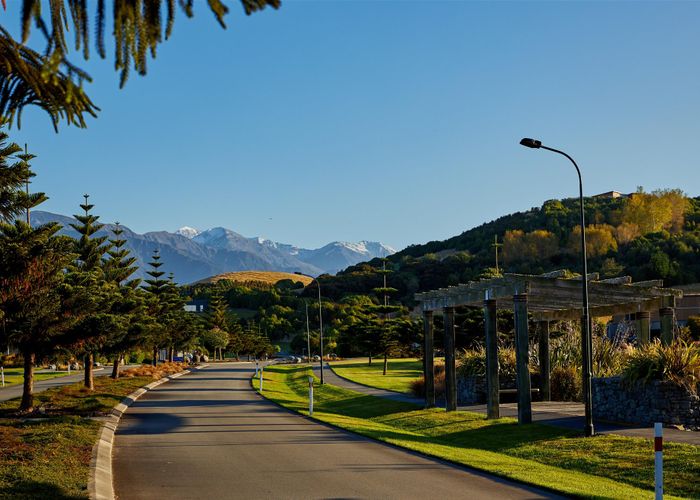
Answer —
543 330
428 360
522 359
492 383
643 325
450 365
666 315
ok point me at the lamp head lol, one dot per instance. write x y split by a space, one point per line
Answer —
531 143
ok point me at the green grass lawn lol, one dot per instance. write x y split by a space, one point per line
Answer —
545 456
50 458
400 373
16 376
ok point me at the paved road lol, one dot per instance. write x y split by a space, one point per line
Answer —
209 435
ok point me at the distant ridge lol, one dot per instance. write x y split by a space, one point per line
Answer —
271 277
192 255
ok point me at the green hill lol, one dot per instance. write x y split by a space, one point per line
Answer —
644 235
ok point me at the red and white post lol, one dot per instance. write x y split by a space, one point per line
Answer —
659 461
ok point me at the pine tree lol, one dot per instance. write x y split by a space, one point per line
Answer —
89 273
385 332
157 287
34 301
127 306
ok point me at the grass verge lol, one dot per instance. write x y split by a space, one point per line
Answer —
545 456
399 375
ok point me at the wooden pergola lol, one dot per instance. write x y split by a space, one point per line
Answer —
547 297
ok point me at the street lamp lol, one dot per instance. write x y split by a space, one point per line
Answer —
320 319
587 341
308 332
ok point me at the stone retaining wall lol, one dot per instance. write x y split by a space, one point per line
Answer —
646 404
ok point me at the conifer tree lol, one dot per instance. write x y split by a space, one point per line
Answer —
157 287
127 306
385 331
89 273
34 301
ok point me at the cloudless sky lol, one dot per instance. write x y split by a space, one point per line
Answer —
396 121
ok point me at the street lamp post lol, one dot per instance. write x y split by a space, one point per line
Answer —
587 340
320 319
308 332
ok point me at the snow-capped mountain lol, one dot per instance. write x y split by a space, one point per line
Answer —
187 232
192 255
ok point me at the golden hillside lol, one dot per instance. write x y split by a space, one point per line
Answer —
270 277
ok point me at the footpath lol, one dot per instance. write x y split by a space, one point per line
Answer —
560 414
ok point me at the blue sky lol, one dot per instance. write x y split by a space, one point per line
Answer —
395 121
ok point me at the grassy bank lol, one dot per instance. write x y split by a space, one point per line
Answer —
49 457
545 456
400 373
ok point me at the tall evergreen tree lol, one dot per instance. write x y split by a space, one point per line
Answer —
128 306
34 301
89 273
385 333
158 288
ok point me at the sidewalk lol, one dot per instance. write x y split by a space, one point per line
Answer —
560 414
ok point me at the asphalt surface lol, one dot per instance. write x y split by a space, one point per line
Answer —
209 435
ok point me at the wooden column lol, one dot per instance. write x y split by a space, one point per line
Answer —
428 360
643 324
522 359
666 315
492 383
450 367
543 330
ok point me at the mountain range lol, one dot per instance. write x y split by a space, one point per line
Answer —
192 255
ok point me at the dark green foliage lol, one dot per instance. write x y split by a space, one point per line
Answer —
50 81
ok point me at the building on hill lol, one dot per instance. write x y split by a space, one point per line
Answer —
197 305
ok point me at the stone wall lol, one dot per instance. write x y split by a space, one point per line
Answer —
471 390
645 404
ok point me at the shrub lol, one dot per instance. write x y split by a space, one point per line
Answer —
565 383
156 372
609 357
418 385
472 362
678 363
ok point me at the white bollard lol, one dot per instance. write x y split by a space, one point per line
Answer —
2 375
69 368
257 370
261 379
659 460
311 396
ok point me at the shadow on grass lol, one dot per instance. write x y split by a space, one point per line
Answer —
36 489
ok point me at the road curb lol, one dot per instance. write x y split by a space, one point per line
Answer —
100 485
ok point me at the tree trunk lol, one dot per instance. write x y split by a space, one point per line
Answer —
89 381
27 403
115 366
155 356
370 359
385 363
171 354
